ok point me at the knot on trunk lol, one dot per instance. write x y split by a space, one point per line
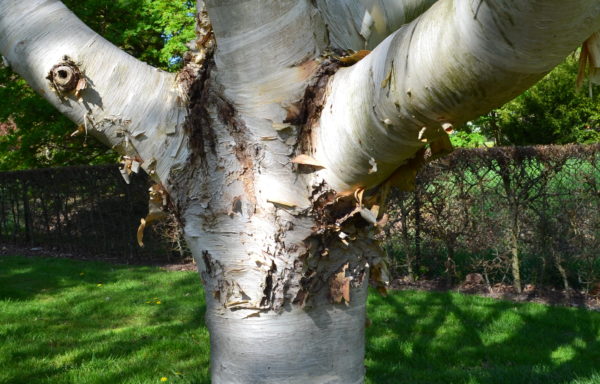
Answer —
66 77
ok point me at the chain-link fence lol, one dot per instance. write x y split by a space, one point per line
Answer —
86 209
529 212
522 215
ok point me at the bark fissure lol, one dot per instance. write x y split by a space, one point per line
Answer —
197 124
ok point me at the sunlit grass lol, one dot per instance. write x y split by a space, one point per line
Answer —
424 337
64 321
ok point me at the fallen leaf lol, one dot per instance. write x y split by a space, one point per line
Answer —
280 126
383 221
140 232
380 276
358 195
253 314
81 85
80 129
421 136
282 203
440 147
375 210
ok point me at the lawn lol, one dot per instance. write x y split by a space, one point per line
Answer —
64 321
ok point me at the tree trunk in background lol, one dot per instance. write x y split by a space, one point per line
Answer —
515 262
410 258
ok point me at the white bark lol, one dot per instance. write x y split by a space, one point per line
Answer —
455 62
128 104
592 45
363 24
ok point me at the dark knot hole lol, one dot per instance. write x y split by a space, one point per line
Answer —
62 74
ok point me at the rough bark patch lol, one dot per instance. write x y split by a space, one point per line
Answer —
66 77
308 110
197 124
243 153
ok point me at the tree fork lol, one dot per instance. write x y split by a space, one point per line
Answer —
286 246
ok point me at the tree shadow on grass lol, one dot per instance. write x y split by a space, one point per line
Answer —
420 337
63 321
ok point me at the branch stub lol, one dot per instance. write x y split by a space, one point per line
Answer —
66 77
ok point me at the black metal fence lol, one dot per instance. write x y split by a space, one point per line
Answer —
84 209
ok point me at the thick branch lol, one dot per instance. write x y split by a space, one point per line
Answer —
458 60
124 102
363 24
265 51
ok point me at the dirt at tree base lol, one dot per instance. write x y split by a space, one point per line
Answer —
502 291
175 265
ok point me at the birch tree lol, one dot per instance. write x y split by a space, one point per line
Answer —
277 143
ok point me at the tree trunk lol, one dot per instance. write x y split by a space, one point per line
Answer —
515 261
320 344
276 160
562 272
285 264
410 258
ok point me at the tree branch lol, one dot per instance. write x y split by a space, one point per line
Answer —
363 24
264 51
458 60
126 103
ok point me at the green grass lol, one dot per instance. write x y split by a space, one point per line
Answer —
421 337
57 325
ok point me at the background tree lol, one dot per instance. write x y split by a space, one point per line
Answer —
554 111
277 160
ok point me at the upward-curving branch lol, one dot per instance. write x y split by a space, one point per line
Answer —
127 104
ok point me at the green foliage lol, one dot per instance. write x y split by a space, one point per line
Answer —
34 135
58 325
154 31
554 111
466 139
